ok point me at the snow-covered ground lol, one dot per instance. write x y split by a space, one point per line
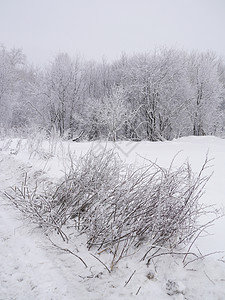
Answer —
32 268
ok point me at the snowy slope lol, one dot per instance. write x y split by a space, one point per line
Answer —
31 268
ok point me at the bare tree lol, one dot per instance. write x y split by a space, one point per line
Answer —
12 78
62 87
207 93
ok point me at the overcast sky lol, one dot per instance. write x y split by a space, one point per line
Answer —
97 28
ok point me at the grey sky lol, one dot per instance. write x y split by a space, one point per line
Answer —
97 28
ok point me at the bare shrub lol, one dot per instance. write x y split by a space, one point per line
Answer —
120 207
36 205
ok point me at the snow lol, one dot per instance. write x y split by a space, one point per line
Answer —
32 268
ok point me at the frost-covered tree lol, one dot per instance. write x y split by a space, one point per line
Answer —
157 87
12 79
62 86
207 93
113 112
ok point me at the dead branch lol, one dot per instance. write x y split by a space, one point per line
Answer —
68 251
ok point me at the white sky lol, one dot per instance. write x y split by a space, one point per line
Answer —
97 28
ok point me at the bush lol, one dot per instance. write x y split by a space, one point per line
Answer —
120 207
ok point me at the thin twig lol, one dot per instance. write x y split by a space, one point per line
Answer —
201 257
138 290
209 278
69 251
101 262
126 283
172 253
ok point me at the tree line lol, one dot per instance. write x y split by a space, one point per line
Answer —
160 95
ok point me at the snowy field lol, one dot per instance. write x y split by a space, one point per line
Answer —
31 267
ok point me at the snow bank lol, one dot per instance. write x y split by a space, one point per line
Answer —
31 268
